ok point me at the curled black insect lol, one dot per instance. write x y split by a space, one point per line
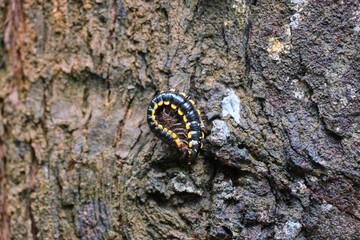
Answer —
173 118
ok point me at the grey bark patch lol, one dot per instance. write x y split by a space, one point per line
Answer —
183 183
92 220
219 133
156 184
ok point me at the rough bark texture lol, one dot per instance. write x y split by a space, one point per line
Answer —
277 80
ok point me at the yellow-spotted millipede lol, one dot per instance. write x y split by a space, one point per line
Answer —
173 118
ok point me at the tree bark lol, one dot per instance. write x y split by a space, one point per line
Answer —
278 82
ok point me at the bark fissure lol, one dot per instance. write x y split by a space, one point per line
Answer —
33 182
5 218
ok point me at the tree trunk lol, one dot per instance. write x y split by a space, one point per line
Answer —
278 82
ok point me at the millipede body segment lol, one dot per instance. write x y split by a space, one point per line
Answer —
173 118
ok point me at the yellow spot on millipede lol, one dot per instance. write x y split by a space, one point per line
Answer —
185 119
180 112
192 102
167 102
161 103
173 106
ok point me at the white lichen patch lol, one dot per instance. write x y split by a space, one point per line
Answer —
231 106
298 5
292 229
288 231
299 94
356 19
294 20
327 207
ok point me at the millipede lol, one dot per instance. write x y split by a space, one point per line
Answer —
173 118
